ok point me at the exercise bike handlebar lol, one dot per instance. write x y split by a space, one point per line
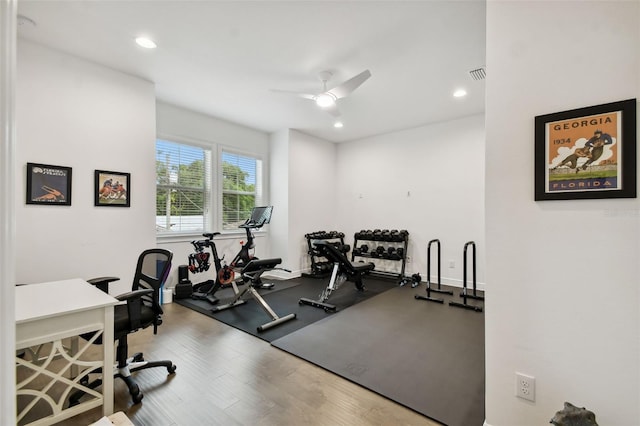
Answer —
249 224
200 245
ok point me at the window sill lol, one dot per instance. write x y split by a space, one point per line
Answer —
226 235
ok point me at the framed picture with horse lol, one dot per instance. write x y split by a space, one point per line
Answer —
112 189
48 185
586 153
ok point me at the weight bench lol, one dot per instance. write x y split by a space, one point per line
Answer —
343 270
251 274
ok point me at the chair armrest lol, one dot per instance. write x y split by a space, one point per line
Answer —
103 282
137 294
134 306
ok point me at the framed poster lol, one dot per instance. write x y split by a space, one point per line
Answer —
48 185
112 189
586 153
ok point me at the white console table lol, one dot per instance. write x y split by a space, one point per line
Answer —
49 371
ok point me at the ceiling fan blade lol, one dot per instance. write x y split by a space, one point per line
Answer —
342 90
301 95
333 110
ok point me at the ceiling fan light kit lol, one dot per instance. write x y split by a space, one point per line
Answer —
324 100
327 98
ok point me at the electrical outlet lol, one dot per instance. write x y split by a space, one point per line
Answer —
452 263
525 387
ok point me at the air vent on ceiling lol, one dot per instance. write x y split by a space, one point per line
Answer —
478 74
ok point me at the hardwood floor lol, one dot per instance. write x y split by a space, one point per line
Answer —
227 377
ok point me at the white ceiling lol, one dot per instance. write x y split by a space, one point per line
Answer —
222 58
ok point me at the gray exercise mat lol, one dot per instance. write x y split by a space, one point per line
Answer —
424 355
283 299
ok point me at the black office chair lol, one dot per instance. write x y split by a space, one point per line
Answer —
142 310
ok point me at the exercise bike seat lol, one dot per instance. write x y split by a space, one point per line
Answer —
258 264
252 271
210 235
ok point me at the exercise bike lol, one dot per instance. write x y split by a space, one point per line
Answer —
199 261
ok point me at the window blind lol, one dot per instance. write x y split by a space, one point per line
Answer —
182 179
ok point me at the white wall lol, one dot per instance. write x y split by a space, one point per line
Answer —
312 193
564 301
279 187
303 184
190 126
71 112
8 24
428 180
180 122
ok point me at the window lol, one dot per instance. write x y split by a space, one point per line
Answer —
187 201
182 187
241 191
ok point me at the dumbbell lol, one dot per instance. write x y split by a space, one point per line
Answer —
377 235
416 280
364 248
400 252
386 235
393 253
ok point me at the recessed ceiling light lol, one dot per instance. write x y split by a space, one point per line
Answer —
146 42
338 125
460 93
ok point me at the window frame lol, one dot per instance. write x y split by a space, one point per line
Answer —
260 183
213 212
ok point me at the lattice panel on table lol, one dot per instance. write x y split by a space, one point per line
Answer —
48 373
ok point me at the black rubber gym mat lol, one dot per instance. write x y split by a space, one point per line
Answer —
423 355
283 299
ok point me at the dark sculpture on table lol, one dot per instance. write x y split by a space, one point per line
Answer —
574 416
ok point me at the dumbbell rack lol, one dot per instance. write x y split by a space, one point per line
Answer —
320 266
382 244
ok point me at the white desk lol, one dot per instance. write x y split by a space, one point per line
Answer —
46 314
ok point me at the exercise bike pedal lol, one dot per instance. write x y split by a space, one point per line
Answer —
266 286
212 299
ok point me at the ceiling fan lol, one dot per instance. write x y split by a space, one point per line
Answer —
327 98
